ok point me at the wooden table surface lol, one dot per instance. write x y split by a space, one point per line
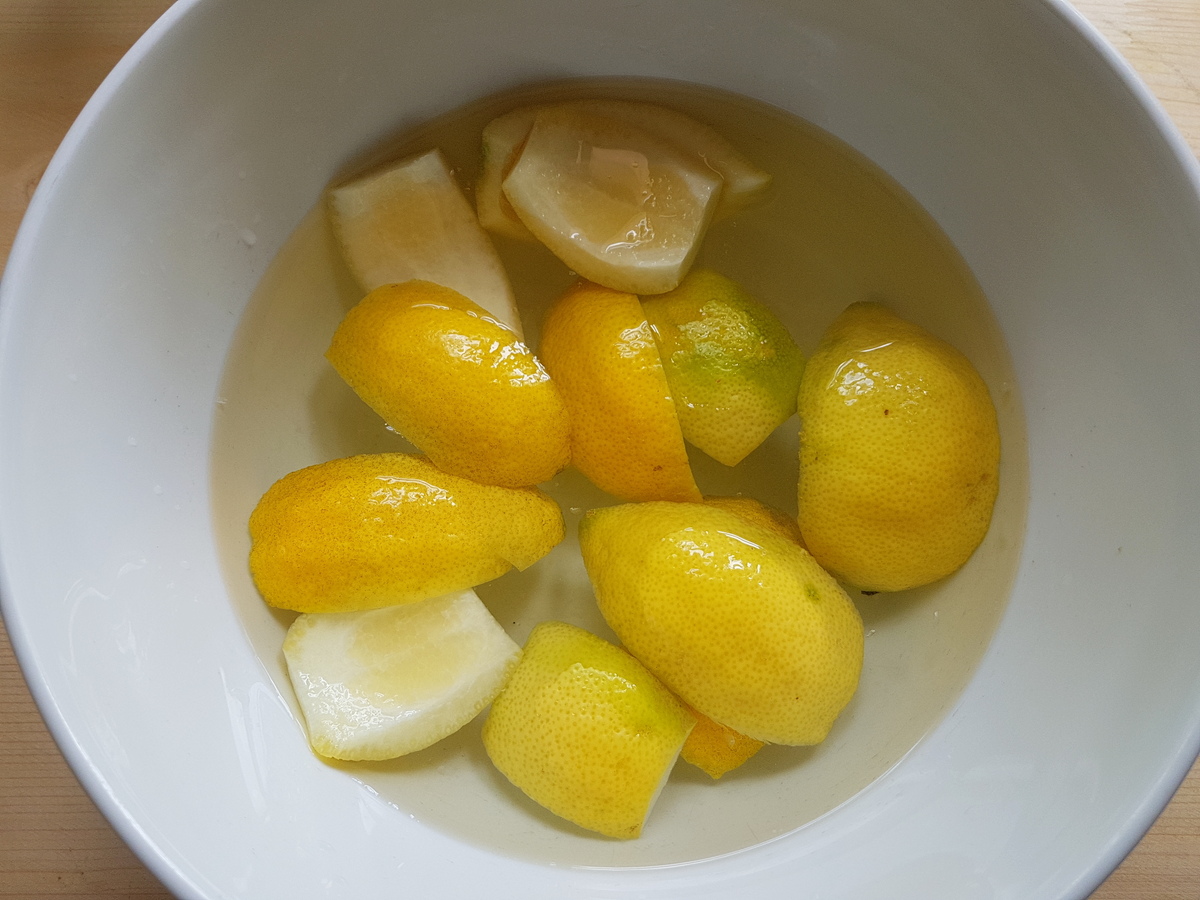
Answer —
53 54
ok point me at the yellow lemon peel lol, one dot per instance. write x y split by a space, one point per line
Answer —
732 367
464 389
370 531
586 731
625 434
715 749
899 453
737 620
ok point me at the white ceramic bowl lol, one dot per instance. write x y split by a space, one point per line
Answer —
1033 146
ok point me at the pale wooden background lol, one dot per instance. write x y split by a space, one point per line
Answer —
53 54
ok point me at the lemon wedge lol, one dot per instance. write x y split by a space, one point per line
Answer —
899 452
463 389
411 221
625 437
383 529
732 366
715 749
386 682
586 731
501 142
619 205
504 137
737 620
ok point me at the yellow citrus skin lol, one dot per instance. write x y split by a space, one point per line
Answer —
464 389
732 367
625 435
758 513
715 749
377 530
899 453
586 731
737 620
711 747
615 202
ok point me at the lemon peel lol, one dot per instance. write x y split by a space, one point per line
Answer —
585 730
738 621
371 531
899 453
625 434
758 513
617 204
462 388
410 221
504 138
715 749
733 369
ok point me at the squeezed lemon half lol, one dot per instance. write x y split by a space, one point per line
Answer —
504 138
737 620
378 530
732 367
616 203
625 435
411 221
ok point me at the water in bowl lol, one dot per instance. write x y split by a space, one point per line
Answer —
835 229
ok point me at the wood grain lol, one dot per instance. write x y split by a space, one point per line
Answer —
53 54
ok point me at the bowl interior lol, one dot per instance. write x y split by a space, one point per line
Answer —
182 181
834 230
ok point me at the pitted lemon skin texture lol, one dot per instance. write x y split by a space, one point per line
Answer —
732 367
758 513
625 434
464 389
899 453
586 731
376 530
738 621
711 747
715 749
